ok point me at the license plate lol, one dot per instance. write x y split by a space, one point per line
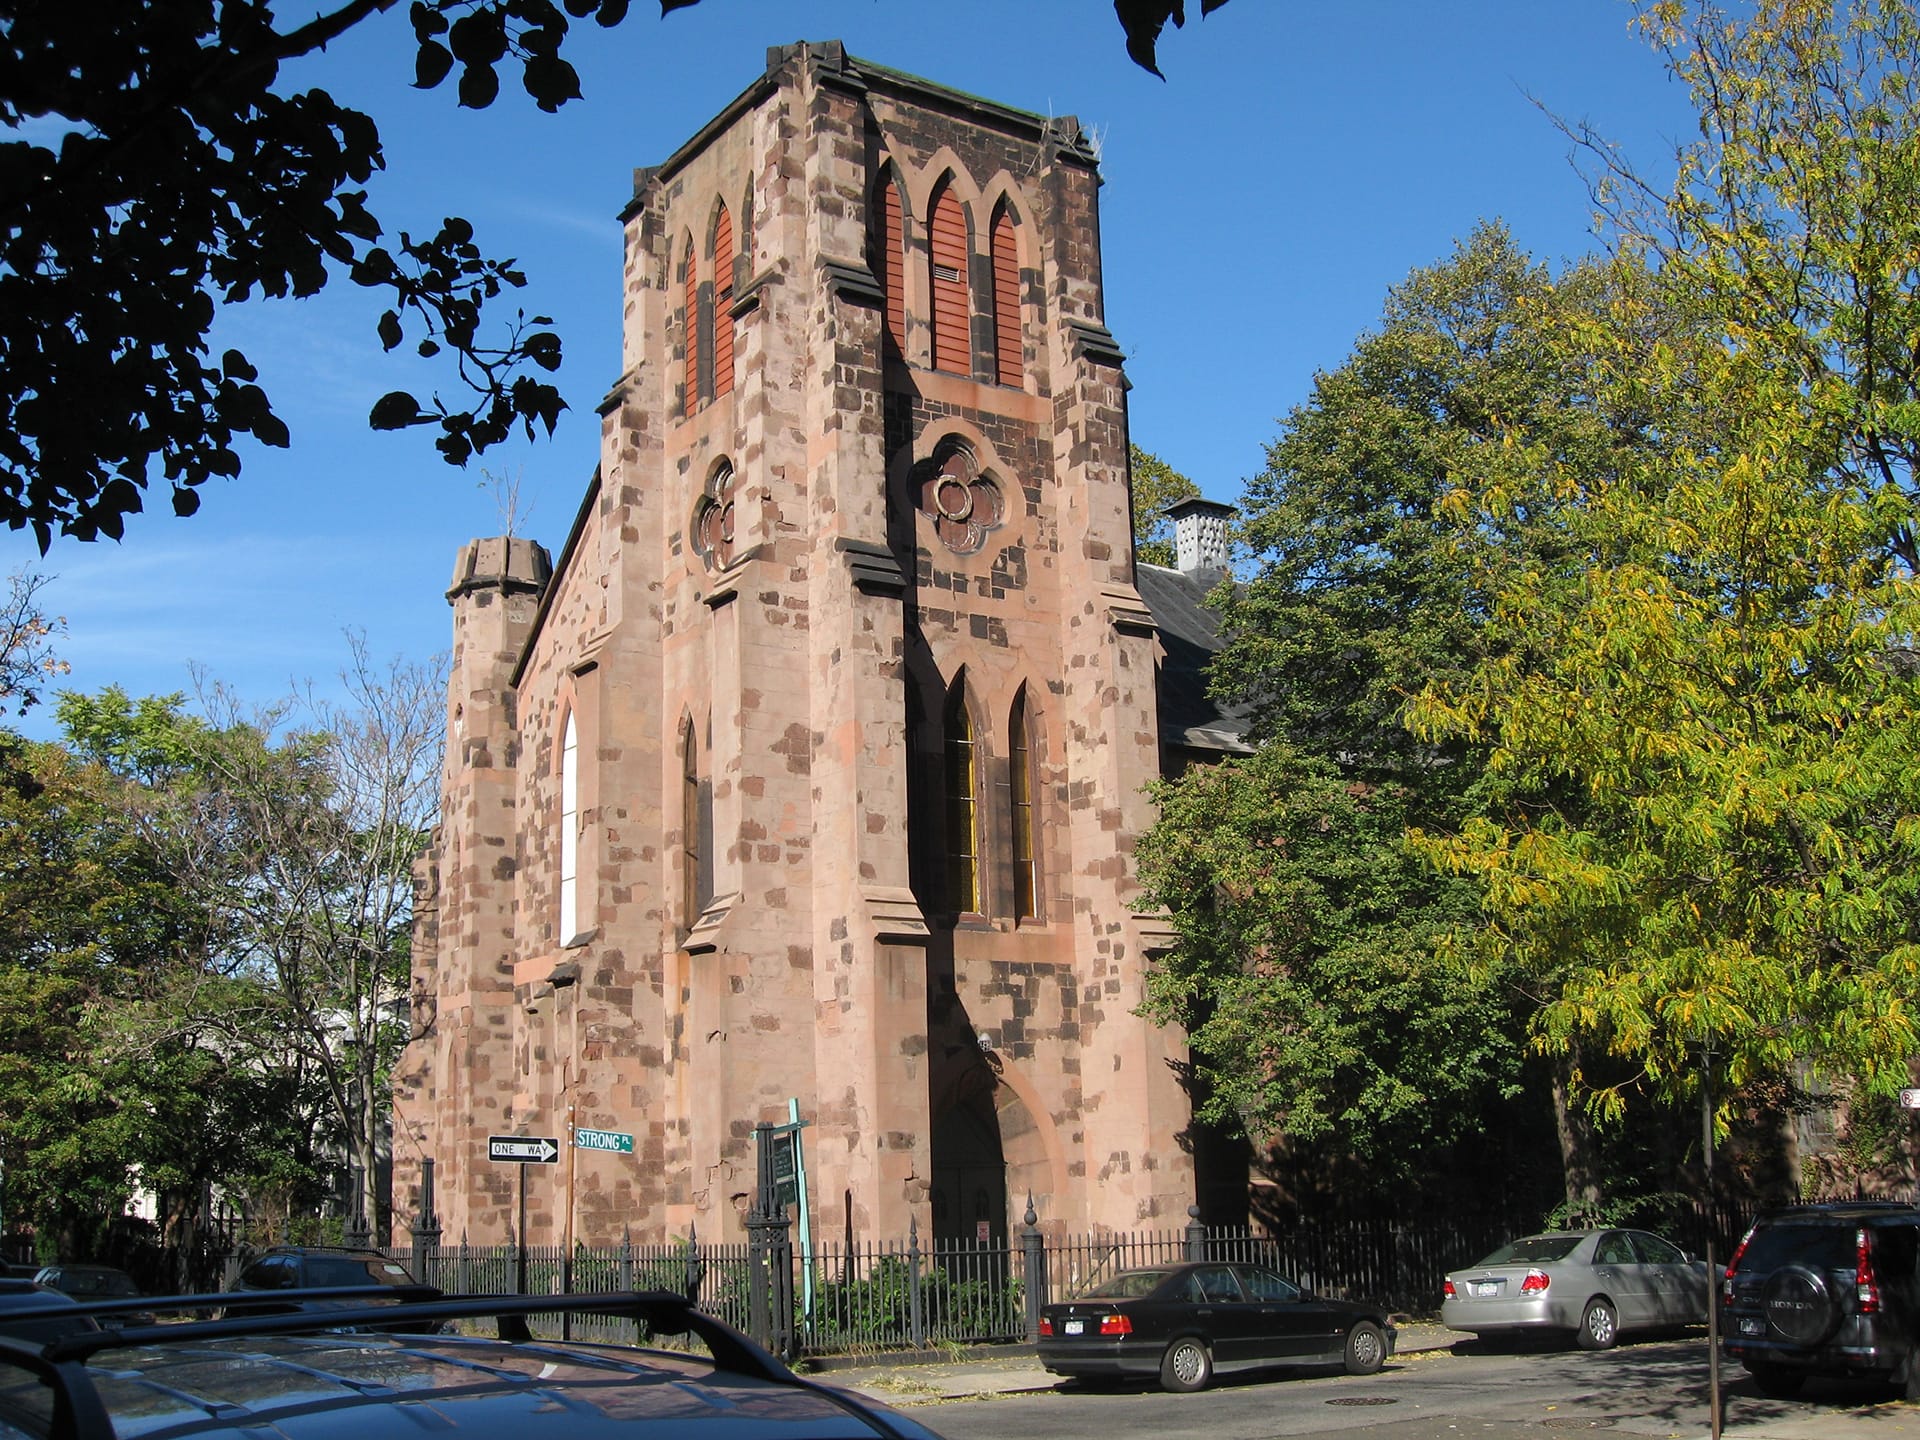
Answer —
1751 1326
1486 1289
1075 1327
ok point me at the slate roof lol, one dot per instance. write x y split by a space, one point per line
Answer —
1189 719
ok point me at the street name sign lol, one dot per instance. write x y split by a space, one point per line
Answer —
524 1149
614 1140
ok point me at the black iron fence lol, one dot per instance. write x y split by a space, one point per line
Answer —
835 1298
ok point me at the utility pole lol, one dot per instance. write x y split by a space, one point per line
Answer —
1713 1213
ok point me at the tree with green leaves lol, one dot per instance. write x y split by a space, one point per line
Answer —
1709 854
1306 975
1317 973
297 841
162 170
103 1085
1155 486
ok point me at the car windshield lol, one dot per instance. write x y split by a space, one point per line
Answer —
1534 1250
1127 1285
330 1270
93 1282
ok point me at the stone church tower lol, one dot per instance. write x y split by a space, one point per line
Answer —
808 774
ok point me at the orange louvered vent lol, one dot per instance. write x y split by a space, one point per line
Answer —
723 305
886 266
952 344
1006 300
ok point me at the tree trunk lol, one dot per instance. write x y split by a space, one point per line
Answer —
366 1142
1578 1152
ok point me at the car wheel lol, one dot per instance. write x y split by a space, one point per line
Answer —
1599 1326
1366 1349
1186 1366
1777 1381
1799 1306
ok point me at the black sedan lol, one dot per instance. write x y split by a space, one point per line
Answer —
324 1277
1182 1323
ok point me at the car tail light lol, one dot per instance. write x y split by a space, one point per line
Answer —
1115 1325
1867 1283
1726 1280
1449 1291
1536 1283
1046 1326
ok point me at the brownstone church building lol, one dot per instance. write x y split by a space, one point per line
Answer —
806 780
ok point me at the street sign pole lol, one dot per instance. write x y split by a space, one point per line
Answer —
520 1250
566 1253
522 1151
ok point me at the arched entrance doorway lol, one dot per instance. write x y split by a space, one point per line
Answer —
969 1165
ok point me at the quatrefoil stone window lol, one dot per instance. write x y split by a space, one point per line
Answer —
963 504
713 519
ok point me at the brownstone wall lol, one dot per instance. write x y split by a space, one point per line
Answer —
811 654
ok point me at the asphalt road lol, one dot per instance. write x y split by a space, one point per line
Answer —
1653 1389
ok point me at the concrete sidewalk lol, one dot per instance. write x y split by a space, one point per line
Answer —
929 1376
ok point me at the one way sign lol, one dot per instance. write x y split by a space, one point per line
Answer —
524 1149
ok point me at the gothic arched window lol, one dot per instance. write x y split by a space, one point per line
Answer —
722 304
1008 360
947 253
690 830
962 808
887 237
570 926
691 326
1024 854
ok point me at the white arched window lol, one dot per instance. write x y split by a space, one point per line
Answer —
570 834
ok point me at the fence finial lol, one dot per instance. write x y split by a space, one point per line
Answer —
1033 1247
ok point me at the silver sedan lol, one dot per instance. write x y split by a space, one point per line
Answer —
1594 1284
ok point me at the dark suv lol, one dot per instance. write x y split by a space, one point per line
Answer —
1825 1290
259 1375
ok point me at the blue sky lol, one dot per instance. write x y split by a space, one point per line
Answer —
1303 156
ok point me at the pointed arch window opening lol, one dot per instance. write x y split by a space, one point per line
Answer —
1009 362
888 243
691 325
1026 868
690 900
947 257
722 304
570 832
962 806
